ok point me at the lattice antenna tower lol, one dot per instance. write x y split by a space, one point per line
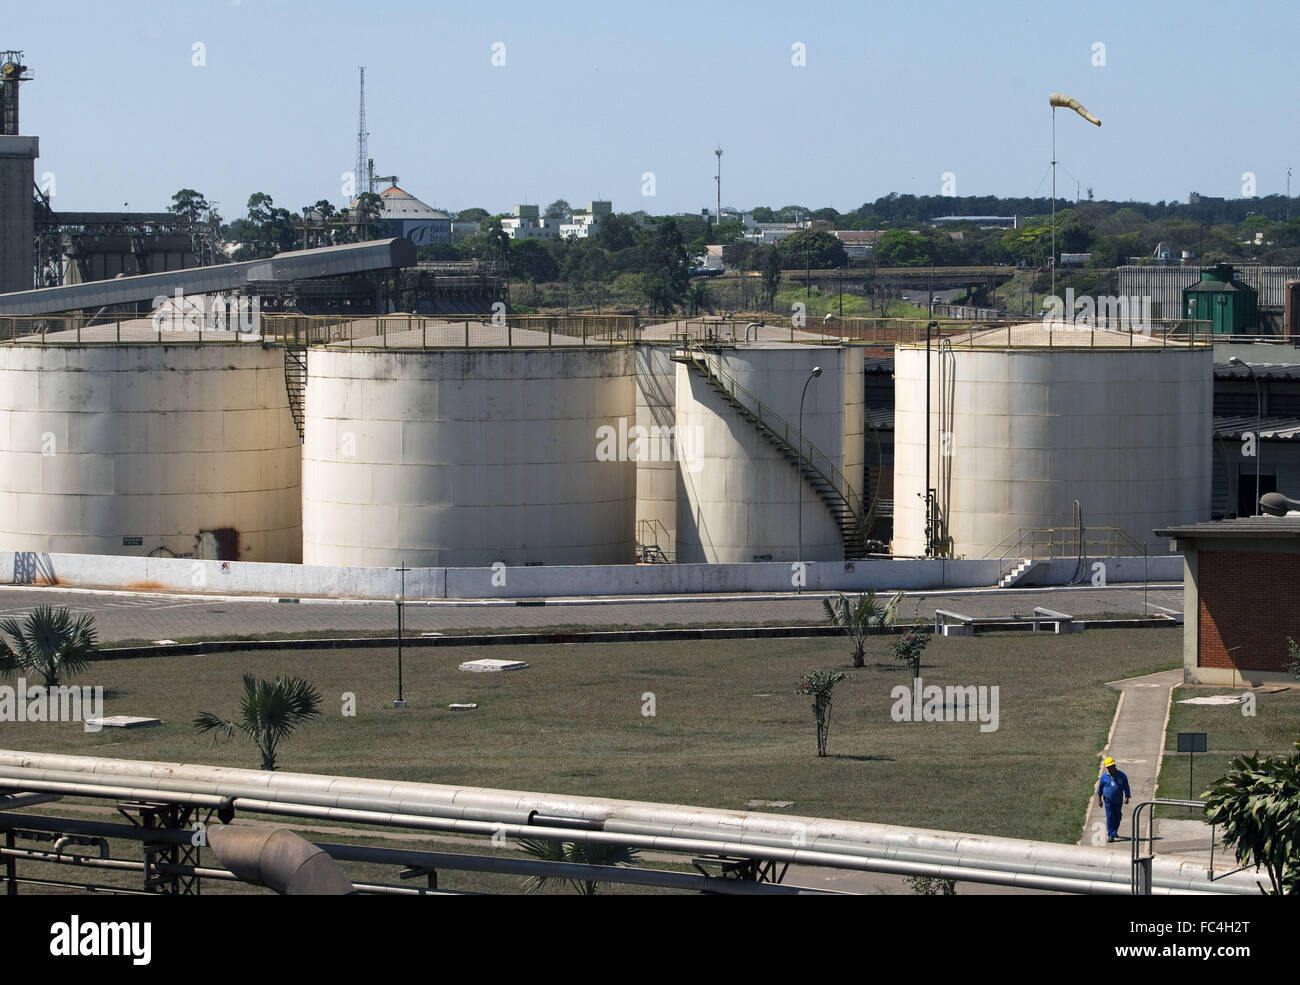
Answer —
360 177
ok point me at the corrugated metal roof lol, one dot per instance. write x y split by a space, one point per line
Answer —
1265 371
327 261
1233 426
399 204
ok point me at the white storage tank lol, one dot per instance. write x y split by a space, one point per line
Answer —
1024 422
184 449
656 471
462 458
738 494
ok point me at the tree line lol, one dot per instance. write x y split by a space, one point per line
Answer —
652 256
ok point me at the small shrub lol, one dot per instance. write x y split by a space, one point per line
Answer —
909 647
819 684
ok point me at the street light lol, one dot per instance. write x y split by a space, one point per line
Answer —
1259 413
817 371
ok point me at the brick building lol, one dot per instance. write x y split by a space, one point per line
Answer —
1239 583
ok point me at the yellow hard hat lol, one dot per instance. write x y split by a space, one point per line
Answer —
1109 761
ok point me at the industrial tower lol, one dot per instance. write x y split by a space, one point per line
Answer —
361 175
17 181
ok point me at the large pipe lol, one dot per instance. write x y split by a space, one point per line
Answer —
279 859
816 841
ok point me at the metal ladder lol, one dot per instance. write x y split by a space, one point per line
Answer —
813 465
295 384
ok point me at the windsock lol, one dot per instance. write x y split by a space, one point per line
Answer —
1061 99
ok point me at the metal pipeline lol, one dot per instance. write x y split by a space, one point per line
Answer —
827 850
806 840
962 870
279 859
82 842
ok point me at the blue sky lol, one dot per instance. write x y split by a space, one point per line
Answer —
593 95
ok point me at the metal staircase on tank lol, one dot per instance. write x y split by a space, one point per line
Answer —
814 466
295 383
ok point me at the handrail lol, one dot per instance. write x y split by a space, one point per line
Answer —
1044 542
398 330
653 526
814 458
1140 871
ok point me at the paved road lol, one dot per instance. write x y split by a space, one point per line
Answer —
127 616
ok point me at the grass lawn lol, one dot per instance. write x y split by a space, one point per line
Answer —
728 726
1272 729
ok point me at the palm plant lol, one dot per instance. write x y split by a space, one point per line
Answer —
269 712
49 642
861 618
579 852
1257 803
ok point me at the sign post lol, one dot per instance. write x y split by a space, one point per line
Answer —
1191 742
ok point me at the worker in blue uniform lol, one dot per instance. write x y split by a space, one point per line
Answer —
1112 793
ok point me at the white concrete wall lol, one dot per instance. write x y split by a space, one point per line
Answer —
1126 433
105 443
432 458
738 499
656 476
303 580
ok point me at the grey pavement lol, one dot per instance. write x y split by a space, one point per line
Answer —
131 616
1137 738
1137 742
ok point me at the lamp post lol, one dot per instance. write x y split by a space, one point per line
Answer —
929 502
1259 413
399 598
816 372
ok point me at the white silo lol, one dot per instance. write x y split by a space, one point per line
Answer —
738 488
462 458
1024 422
175 449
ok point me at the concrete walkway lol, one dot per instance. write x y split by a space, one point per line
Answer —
1137 741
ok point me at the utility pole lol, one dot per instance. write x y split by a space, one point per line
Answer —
1053 260
718 154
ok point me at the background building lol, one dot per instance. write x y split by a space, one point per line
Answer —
528 224
1238 614
586 223
407 216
